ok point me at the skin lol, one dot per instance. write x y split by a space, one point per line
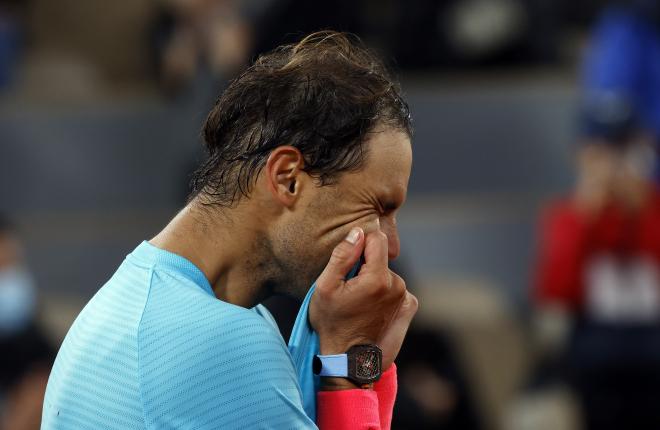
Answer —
596 163
290 230
284 240
605 175
10 251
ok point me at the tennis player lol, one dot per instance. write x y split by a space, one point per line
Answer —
309 161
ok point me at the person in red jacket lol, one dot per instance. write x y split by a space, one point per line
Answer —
597 286
600 247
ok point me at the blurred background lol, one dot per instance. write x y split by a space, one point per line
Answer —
531 234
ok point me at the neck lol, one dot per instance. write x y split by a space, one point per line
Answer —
222 248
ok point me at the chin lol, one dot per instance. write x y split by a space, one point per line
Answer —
298 272
295 286
300 291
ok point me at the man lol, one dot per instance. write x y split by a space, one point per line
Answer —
309 161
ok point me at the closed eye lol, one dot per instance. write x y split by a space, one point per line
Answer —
390 207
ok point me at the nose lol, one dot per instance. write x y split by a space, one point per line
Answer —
388 226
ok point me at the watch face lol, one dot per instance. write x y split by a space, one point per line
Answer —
364 363
367 364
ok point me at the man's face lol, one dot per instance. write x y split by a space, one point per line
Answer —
368 198
608 173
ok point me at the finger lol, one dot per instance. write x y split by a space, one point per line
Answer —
395 333
398 285
375 251
343 258
408 309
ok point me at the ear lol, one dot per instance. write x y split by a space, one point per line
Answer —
283 173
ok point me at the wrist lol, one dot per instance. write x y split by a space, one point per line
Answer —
359 367
329 383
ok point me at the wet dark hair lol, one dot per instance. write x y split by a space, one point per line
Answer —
322 95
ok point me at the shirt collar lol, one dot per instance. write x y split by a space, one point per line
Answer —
155 256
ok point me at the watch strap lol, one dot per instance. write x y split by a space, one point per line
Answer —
335 365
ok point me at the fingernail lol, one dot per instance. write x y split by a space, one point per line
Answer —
353 236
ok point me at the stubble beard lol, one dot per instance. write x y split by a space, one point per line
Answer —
294 262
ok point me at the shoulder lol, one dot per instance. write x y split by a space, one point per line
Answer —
182 322
196 351
559 208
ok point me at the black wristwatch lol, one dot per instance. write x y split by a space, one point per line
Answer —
361 364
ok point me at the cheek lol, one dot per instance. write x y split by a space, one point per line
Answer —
331 237
335 228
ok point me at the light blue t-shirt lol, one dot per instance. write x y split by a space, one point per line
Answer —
155 349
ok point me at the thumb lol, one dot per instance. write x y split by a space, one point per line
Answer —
342 260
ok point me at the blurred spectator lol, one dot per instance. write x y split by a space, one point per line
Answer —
622 70
210 35
598 283
598 278
433 392
11 23
427 33
26 355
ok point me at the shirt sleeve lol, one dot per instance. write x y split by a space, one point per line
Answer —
563 237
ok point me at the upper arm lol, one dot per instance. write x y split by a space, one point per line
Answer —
219 372
562 236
